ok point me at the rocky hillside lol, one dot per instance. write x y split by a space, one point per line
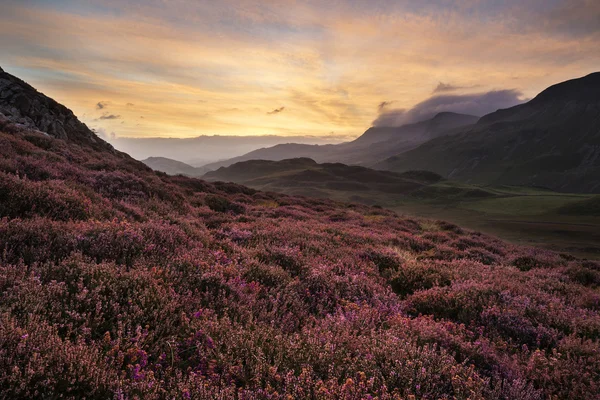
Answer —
25 107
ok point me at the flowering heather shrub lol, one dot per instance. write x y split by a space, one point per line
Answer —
223 205
119 282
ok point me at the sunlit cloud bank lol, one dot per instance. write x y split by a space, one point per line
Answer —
186 68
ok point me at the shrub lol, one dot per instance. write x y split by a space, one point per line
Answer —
221 204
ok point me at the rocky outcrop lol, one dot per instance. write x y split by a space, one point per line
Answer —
25 107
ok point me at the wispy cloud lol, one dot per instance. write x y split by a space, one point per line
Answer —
446 87
109 117
101 105
276 111
383 105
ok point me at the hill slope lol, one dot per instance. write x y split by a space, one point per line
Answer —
552 141
173 167
24 106
120 282
303 176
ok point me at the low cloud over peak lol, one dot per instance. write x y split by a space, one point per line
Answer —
477 104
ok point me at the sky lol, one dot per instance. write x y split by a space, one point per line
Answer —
184 68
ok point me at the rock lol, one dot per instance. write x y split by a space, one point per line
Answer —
21 104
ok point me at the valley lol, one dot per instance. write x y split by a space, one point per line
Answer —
522 215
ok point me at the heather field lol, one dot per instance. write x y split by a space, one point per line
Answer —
119 282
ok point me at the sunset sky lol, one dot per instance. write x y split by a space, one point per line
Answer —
183 68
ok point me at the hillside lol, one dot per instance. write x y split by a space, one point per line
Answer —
173 167
376 144
552 141
303 176
22 105
121 282
566 222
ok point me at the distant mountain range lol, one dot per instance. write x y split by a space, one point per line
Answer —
201 150
551 141
374 145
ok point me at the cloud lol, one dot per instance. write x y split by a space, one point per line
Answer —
383 105
109 116
276 111
330 63
101 105
130 104
446 87
477 104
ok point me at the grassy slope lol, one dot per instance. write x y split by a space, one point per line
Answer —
557 221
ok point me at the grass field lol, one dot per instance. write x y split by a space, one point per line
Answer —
526 216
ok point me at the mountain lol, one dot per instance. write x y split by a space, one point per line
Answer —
376 144
121 282
303 176
551 141
173 167
26 108
278 153
201 150
419 131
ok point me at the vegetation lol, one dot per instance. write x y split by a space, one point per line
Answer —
520 214
119 282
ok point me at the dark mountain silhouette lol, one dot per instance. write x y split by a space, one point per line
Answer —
376 144
304 176
173 167
551 141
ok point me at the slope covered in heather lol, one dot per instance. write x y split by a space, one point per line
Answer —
121 282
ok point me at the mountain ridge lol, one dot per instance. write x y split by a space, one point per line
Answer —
551 141
376 143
